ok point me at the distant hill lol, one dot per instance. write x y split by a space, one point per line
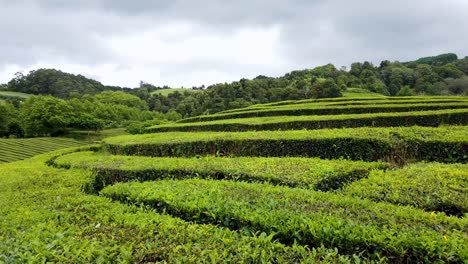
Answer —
438 60
56 83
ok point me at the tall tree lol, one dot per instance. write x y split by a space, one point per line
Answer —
45 116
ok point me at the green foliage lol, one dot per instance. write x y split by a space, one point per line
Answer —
379 88
55 83
4 118
446 144
140 127
425 77
47 115
462 65
405 91
44 116
458 86
118 98
326 89
93 136
304 217
9 123
449 71
159 118
87 121
109 109
438 60
431 186
452 86
316 174
220 97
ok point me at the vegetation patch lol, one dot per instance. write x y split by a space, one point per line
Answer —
48 219
431 186
351 101
309 218
311 109
446 144
423 118
323 175
18 149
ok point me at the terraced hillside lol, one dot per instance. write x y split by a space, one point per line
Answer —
332 113
392 193
19 149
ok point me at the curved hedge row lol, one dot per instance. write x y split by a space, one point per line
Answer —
310 109
318 174
445 144
416 100
424 118
45 218
431 186
352 225
351 99
345 103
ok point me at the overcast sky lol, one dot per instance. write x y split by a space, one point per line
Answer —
194 42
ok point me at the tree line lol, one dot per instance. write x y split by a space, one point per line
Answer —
439 75
74 101
46 115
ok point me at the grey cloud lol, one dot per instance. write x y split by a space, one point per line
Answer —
311 32
31 35
341 32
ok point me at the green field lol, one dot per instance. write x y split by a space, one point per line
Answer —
14 94
346 180
19 149
357 92
91 137
166 92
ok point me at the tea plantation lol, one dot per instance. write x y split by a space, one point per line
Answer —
19 149
346 180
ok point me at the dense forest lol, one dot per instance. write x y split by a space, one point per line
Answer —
67 101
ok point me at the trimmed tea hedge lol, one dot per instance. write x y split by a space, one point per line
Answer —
46 218
446 144
18 149
402 234
317 174
311 109
352 99
424 118
431 186
387 101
